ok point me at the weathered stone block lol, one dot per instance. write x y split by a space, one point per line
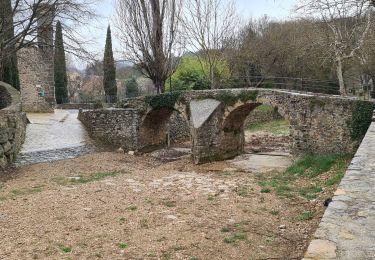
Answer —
11 133
3 162
3 136
7 147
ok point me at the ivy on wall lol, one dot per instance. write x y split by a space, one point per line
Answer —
166 100
361 119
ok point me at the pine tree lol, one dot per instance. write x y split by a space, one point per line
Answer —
109 79
61 79
9 65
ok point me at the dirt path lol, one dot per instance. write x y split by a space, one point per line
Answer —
116 206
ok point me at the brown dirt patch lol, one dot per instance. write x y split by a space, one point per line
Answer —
117 206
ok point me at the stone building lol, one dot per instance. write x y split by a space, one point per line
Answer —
36 68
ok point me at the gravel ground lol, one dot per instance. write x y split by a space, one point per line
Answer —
116 206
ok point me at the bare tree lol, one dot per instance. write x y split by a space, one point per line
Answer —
150 35
31 15
210 27
347 23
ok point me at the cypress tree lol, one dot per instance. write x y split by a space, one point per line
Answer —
9 65
61 78
109 79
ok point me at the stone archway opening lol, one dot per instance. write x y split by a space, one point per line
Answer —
179 133
154 128
267 131
165 132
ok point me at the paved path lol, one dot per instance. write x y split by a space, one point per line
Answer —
347 230
51 137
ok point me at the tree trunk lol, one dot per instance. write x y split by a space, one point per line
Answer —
212 77
159 85
340 76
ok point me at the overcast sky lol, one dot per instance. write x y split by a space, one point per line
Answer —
275 9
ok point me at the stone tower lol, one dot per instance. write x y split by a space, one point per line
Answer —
36 66
45 26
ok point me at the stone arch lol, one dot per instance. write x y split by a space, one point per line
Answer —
234 120
233 137
153 128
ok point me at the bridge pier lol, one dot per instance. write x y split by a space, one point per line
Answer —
217 132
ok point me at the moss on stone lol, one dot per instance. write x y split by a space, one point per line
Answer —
245 96
361 119
227 98
166 100
230 99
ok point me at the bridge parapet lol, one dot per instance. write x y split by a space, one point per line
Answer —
347 228
319 124
12 124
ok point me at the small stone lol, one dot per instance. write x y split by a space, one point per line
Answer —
171 217
340 192
7 147
346 235
74 178
363 214
282 227
321 249
131 153
3 137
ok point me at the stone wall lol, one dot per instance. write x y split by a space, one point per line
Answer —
12 127
178 128
37 75
75 106
117 127
346 230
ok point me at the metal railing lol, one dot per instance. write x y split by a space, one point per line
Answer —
296 84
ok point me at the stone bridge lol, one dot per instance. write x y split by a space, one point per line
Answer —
319 124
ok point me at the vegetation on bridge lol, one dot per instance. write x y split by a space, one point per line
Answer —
361 119
166 100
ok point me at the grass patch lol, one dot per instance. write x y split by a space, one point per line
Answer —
310 192
307 215
265 108
22 192
66 249
308 169
234 239
225 229
275 212
122 245
275 127
312 165
336 179
132 208
169 203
